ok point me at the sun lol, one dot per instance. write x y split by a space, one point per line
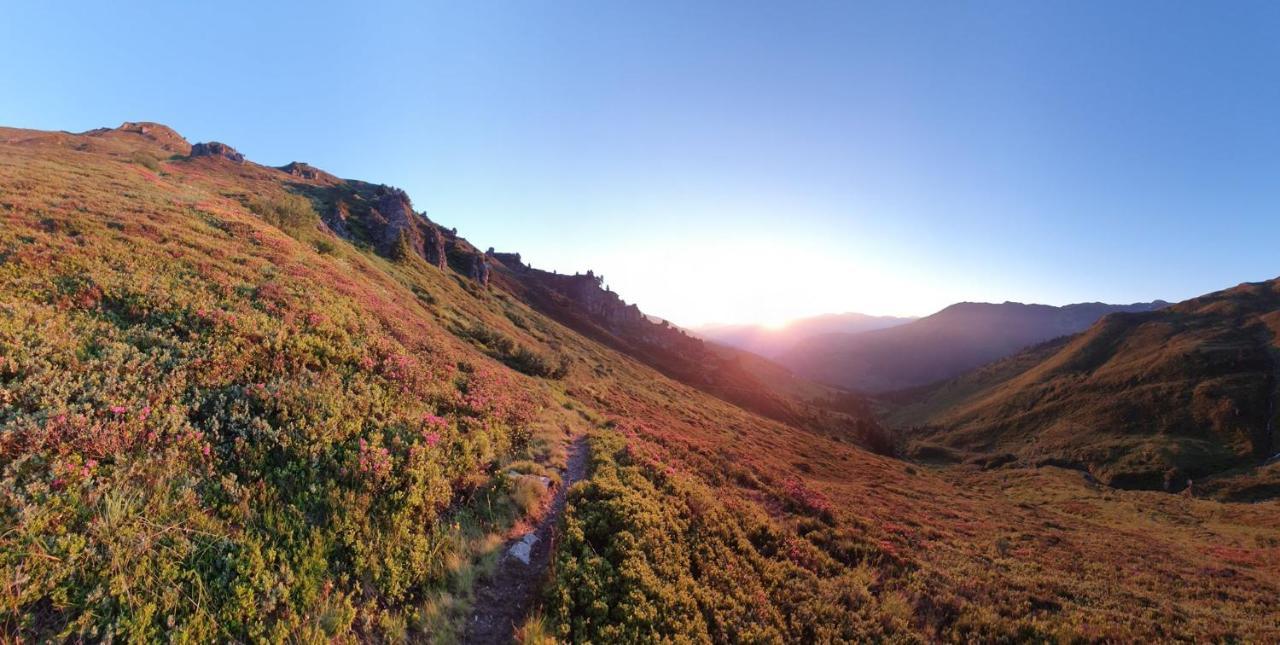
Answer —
775 325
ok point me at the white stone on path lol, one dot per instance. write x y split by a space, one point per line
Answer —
524 548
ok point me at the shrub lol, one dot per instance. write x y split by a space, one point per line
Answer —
222 446
290 213
648 554
527 492
515 355
146 160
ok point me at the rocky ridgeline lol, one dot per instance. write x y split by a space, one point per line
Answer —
401 230
599 304
383 217
379 216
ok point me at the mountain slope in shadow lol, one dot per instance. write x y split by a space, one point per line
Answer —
946 344
1142 400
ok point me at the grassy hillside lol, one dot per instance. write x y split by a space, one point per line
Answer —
219 420
955 340
219 428
1142 400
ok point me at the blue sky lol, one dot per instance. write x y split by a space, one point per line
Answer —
736 161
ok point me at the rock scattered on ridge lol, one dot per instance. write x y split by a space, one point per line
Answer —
216 149
309 172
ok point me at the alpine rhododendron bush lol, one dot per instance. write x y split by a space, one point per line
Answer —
228 414
703 522
211 429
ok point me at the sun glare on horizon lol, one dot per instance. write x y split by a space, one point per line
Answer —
692 288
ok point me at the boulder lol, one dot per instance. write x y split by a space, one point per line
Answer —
308 171
216 149
523 549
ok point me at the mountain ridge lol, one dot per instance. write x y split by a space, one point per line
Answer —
771 343
959 338
1149 399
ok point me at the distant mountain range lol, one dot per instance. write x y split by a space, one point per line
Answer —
1142 400
771 343
937 347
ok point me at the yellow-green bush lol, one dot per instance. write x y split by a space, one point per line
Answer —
648 554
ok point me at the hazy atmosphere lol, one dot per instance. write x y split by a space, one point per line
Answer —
735 162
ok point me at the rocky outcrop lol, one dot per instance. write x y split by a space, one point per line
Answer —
398 228
508 260
597 302
216 149
166 137
480 269
405 231
308 172
336 219
433 248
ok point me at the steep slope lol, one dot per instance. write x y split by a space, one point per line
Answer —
772 343
937 347
581 302
1143 400
221 420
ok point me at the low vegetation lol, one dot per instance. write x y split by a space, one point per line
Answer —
211 430
515 355
649 555
290 213
206 436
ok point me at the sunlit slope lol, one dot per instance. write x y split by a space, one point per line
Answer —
221 420
1143 400
215 429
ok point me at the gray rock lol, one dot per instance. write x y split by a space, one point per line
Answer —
523 549
216 149
480 269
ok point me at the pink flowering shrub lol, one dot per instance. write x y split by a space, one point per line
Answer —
196 407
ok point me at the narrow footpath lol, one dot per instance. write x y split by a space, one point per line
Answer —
504 598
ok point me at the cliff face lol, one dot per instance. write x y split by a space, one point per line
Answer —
383 218
480 269
433 248
590 299
603 304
